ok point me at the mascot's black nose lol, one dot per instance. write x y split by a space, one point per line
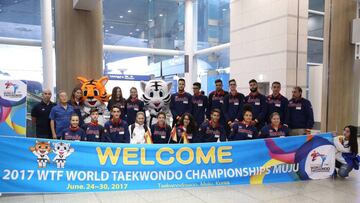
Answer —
90 97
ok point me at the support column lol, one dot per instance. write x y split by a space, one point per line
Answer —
268 42
190 41
78 43
47 45
341 80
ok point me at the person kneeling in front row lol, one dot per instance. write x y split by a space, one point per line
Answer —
116 130
244 130
274 129
212 131
74 132
346 151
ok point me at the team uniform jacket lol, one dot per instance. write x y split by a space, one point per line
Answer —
209 134
259 106
199 106
160 134
300 114
269 131
180 104
242 131
277 104
116 132
94 132
233 106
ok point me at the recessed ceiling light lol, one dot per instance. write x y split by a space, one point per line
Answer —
111 27
121 16
137 30
161 15
106 30
224 9
129 11
150 20
130 33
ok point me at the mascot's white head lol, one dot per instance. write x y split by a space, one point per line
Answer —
156 94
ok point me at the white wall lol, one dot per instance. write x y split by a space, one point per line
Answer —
263 38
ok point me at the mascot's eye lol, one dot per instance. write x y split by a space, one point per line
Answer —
58 148
96 93
39 146
151 94
65 148
46 147
161 94
85 93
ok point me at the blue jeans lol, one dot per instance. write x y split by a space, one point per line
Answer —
344 169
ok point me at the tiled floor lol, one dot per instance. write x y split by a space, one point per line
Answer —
329 190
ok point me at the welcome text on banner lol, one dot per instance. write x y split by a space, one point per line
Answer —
38 165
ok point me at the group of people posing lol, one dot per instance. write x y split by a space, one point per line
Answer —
196 118
222 116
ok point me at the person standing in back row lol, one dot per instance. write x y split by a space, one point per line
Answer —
216 101
276 103
233 104
180 102
258 104
300 116
40 116
199 104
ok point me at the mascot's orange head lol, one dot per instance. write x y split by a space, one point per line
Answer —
94 92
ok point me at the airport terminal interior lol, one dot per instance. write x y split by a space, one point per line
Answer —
312 44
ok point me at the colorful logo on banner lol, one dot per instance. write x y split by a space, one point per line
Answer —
12 107
87 166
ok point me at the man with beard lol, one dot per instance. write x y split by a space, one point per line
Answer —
180 102
216 101
258 103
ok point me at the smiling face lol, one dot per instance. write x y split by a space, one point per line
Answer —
156 94
43 148
275 120
61 148
186 120
74 121
140 119
248 116
133 93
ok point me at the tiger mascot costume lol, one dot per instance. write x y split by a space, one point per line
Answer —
156 98
94 96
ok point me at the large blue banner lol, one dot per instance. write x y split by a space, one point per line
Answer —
35 165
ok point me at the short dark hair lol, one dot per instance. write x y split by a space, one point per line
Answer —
298 88
252 80
115 107
197 84
218 80
92 110
181 79
216 110
232 80
74 114
276 83
274 114
247 108
161 113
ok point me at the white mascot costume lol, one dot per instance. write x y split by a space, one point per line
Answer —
156 98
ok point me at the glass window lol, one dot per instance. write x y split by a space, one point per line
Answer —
122 63
316 25
213 23
214 66
315 51
20 19
29 65
317 5
144 23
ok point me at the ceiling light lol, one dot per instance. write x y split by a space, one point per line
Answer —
121 16
161 15
130 33
137 30
111 27
129 11
106 30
